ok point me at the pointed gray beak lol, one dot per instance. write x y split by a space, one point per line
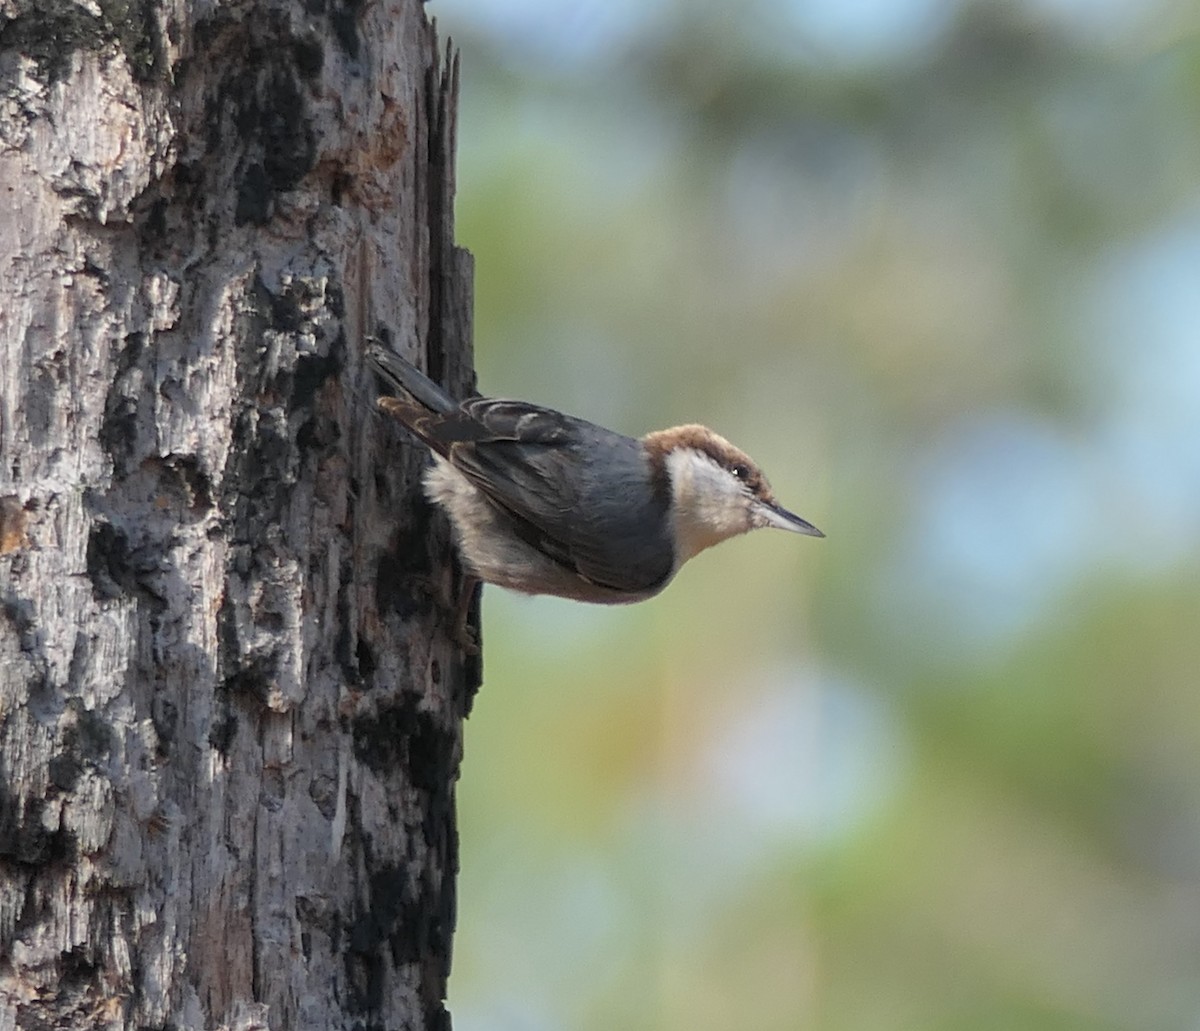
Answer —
773 515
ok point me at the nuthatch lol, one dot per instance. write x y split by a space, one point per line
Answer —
545 503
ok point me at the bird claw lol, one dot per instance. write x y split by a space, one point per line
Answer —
467 635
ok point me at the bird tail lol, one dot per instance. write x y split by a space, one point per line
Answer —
402 375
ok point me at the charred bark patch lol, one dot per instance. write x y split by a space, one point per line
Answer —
396 736
252 681
108 563
396 591
254 490
313 371
116 566
276 119
249 677
399 924
254 196
48 34
164 716
134 26
263 107
119 429
308 55
89 735
343 17
386 911
366 662
50 31
223 731
24 838
188 484
259 112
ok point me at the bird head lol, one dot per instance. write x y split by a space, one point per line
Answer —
716 489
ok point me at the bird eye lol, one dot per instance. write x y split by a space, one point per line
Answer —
742 472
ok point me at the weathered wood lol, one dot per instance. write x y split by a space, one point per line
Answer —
230 702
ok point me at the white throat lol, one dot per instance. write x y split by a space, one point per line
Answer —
709 504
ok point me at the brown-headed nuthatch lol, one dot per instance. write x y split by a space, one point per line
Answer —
545 503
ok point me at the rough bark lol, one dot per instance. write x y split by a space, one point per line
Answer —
230 697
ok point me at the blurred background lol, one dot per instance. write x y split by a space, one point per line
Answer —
936 265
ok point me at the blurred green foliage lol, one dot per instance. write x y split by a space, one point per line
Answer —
942 770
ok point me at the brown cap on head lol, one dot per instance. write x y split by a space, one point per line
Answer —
700 438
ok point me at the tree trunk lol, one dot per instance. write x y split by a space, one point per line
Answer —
230 693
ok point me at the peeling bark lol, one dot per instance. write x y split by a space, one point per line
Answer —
230 697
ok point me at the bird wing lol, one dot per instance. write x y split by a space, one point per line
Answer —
573 490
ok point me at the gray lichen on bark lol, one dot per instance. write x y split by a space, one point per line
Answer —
230 698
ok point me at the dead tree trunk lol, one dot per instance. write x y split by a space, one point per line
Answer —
230 698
